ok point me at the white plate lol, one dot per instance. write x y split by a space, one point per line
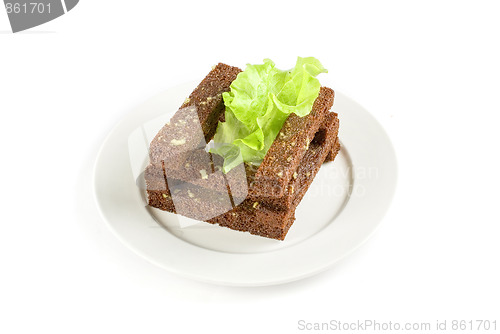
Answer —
340 211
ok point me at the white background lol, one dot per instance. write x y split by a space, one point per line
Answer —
429 71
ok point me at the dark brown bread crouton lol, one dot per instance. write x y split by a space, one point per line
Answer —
195 122
287 150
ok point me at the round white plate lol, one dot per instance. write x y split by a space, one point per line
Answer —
340 211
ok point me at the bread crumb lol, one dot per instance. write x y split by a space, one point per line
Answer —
176 142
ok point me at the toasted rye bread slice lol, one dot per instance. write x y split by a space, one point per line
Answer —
287 150
194 124
310 164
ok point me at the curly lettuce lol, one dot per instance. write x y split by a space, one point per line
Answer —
259 101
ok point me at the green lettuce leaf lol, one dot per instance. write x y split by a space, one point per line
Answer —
259 102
